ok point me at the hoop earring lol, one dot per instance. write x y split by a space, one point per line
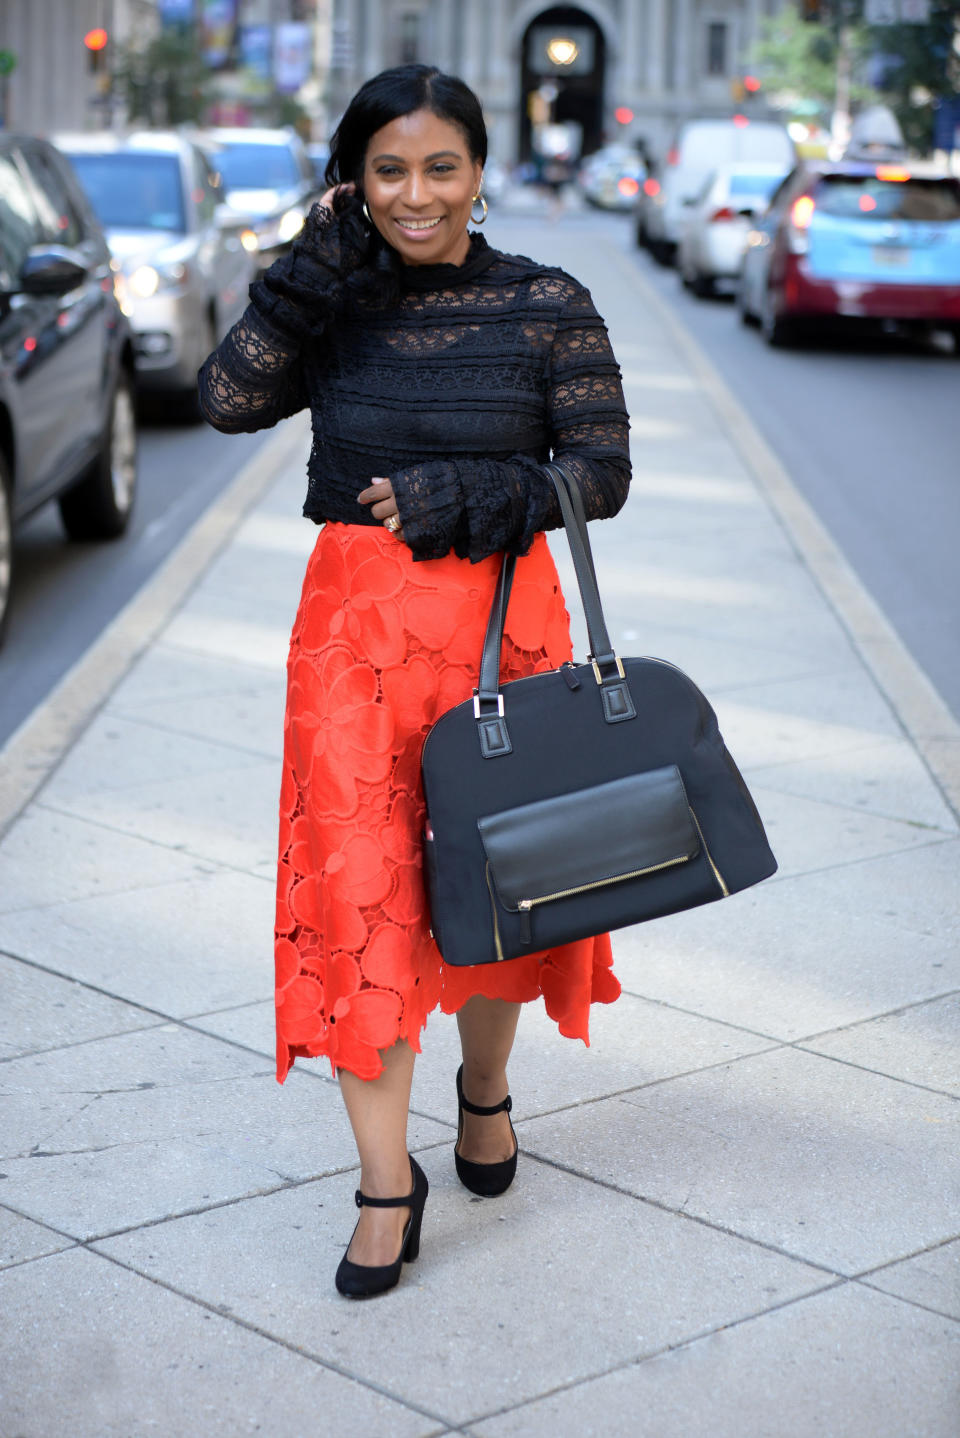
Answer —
366 215
483 202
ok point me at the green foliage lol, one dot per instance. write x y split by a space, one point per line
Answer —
166 82
797 60
924 65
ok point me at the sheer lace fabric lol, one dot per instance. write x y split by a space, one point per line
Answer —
458 393
381 647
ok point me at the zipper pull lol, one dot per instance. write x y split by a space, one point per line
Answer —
526 934
570 675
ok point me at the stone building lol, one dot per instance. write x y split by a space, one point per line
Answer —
662 60
56 84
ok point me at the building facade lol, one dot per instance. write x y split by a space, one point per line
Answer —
660 60
57 84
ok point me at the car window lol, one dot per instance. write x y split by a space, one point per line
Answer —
753 184
59 220
131 191
246 166
18 220
868 197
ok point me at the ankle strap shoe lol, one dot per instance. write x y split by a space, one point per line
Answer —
485 1179
357 1280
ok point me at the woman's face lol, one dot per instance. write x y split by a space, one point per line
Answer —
419 182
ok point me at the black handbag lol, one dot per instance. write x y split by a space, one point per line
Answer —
585 799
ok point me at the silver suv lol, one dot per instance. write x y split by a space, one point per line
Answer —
181 252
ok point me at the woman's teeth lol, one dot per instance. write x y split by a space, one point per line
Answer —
418 224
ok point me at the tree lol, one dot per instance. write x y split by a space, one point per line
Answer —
917 65
166 82
797 59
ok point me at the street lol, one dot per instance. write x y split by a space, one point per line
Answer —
66 594
862 430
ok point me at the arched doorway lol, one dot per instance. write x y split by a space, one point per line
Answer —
562 62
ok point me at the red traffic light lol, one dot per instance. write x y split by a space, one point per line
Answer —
623 115
751 84
96 39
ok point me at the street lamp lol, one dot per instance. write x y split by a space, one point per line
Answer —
562 51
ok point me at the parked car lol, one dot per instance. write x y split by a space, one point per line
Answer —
701 147
269 179
856 240
714 233
183 260
610 178
67 426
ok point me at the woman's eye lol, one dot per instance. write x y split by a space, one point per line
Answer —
388 170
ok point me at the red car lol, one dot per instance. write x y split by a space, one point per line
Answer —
860 240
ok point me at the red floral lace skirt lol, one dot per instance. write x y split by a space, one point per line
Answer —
381 647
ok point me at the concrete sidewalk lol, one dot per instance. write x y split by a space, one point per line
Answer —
736 1214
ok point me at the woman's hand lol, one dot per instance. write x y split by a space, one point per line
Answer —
383 506
327 200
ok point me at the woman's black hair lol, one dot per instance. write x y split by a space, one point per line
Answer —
383 98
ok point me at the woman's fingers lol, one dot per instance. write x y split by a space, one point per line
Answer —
328 199
381 499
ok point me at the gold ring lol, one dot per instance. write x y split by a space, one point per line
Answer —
392 522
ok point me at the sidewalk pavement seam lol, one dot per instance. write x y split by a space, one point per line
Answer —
912 697
34 752
687 1342
914 1302
231 1317
877 1073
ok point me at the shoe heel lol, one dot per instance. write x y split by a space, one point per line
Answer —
412 1250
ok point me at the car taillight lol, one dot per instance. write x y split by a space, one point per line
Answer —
627 185
724 213
651 187
741 121
801 213
892 172
673 155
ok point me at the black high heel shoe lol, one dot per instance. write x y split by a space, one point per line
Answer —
356 1280
485 1179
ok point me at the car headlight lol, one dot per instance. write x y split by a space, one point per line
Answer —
147 280
248 239
291 223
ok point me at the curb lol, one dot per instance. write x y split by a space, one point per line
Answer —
924 716
35 749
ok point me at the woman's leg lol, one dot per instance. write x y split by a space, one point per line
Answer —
377 1109
487 1031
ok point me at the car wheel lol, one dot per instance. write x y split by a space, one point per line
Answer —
702 285
747 317
6 546
99 507
777 331
189 408
642 241
956 340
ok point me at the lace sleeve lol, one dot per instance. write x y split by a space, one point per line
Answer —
478 507
253 378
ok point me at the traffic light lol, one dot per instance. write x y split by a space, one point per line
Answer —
96 42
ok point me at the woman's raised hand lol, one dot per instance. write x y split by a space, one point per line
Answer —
383 505
327 200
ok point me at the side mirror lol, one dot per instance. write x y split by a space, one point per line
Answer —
52 270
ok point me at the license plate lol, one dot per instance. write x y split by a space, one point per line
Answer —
891 256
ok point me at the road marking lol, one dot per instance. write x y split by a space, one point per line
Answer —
925 718
35 749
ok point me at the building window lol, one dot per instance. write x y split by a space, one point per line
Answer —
717 47
409 38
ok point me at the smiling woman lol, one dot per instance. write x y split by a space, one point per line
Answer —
441 375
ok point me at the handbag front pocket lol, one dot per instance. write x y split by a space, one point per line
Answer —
572 845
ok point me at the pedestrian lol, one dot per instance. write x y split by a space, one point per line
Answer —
440 374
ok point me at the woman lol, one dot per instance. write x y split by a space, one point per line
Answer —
440 374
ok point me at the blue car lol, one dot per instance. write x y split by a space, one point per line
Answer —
860 240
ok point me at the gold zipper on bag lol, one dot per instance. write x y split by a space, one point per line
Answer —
525 905
493 909
716 872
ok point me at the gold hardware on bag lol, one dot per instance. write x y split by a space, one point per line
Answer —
493 909
527 904
716 872
596 669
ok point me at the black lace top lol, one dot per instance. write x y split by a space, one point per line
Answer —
457 392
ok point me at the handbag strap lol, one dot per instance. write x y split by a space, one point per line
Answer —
607 668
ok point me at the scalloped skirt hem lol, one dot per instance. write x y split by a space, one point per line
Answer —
381 647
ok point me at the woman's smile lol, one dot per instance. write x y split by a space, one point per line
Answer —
419 182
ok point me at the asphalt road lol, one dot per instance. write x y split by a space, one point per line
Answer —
67 593
868 432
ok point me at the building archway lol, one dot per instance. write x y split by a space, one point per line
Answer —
563 52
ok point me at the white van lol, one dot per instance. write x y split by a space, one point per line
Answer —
702 146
